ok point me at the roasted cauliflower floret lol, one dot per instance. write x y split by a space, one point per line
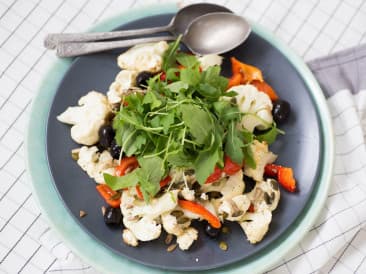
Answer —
256 107
87 118
144 229
188 194
173 224
144 57
125 80
129 238
262 156
255 225
265 195
210 60
228 188
96 164
134 207
233 209
187 238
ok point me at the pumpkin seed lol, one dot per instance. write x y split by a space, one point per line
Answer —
223 246
171 247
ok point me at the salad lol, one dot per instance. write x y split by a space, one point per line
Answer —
174 141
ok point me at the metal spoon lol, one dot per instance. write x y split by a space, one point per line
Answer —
177 25
212 33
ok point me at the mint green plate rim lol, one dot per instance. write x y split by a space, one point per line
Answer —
97 254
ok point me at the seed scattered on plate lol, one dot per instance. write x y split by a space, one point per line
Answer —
197 260
223 245
103 210
225 230
171 247
82 213
168 239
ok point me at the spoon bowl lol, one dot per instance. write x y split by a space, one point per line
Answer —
181 21
216 33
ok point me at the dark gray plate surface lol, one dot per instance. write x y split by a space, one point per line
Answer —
300 148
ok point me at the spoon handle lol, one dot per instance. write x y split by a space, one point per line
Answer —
53 39
80 48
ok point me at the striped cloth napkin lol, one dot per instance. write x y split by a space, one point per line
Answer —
337 241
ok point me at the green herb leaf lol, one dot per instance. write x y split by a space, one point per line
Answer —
205 163
187 60
116 182
191 76
151 99
177 87
198 121
248 157
234 144
212 76
150 173
169 57
209 91
269 135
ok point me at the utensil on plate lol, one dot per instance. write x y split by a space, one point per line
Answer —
212 33
177 25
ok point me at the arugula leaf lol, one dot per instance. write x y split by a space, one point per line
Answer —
180 159
248 157
169 56
191 76
206 161
151 99
150 173
230 93
269 135
120 182
212 76
138 140
187 60
209 91
234 144
177 87
166 121
198 121
172 74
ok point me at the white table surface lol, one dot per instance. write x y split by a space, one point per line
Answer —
312 28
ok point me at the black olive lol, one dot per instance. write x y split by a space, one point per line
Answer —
249 183
281 111
106 136
112 216
142 78
115 149
211 231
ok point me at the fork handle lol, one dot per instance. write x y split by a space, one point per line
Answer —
53 39
76 49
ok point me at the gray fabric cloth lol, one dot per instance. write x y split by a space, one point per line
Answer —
342 70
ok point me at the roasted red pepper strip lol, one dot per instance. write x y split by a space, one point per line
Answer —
215 176
126 163
249 73
235 80
271 170
165 181
230 167
139 193
109 195
284 176
267 89
202 211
